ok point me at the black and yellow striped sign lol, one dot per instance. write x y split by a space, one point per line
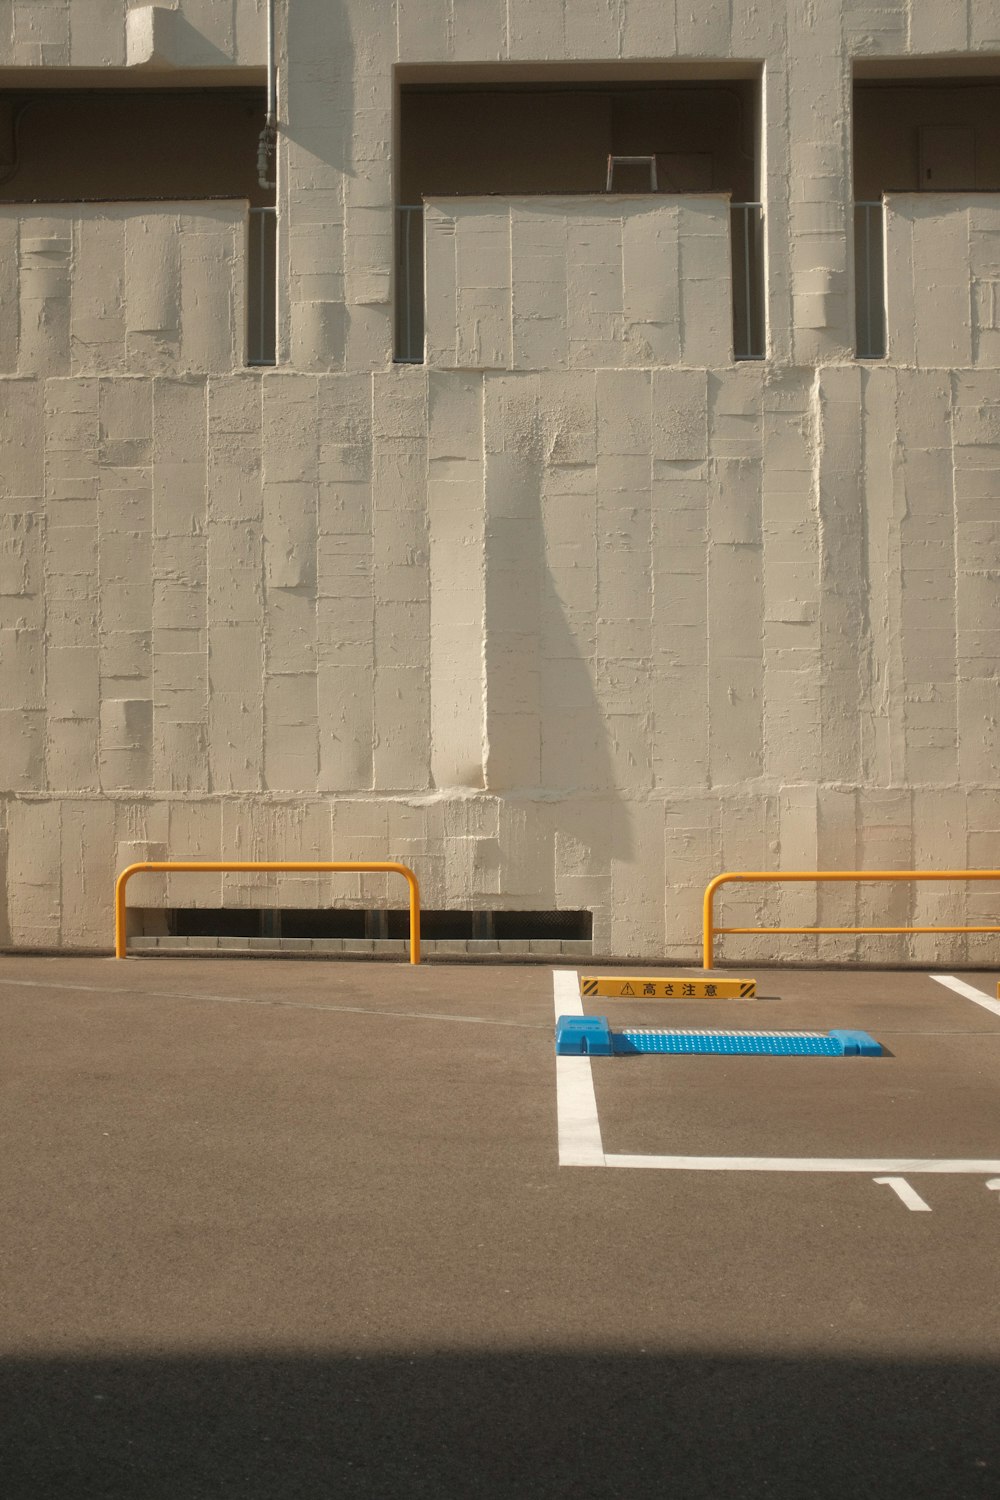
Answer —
681 988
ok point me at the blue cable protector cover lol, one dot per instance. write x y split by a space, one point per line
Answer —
591 1036
732 1043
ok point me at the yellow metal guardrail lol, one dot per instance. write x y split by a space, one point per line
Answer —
710 931
227 866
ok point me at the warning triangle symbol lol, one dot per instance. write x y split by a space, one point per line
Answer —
627 989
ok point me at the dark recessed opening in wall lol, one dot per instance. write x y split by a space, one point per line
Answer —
213 922
534 134
568 926
144 145
343 922
295 923
915 132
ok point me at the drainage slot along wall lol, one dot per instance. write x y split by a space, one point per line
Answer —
501 927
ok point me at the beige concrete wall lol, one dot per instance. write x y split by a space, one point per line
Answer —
578 635
943 280
566 638
595 282
123 288
111 33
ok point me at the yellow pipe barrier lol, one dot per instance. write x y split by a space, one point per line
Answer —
710 931
362 867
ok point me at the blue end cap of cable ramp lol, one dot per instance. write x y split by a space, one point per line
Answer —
591 1036
583 1036
858 1043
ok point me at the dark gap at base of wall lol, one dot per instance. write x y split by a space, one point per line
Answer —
445 926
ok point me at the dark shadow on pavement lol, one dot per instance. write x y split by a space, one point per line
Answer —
520 1425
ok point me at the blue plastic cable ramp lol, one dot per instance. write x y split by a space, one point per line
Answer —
591 1036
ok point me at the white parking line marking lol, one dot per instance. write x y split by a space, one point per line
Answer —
580 1143
968 990
895 1165
576 1104
994 1184
905 1194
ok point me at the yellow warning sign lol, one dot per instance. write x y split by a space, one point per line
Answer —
681 988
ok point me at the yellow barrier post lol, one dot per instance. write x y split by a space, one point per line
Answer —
358 867
710 931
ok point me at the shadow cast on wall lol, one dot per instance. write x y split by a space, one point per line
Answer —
546 727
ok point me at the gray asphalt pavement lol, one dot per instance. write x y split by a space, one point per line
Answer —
276 1229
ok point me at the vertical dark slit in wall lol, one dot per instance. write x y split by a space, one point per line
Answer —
747 238
261 286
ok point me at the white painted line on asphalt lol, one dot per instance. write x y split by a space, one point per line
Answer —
580 1142
968 990
576 1104
905 1194
994 1184
797 1164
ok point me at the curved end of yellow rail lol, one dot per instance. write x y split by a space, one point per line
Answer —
382 867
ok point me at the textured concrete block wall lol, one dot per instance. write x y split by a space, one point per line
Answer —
112 33
575 615
943 279
547 283
138 288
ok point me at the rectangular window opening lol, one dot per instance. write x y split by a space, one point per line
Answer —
539 136
162 145
915 131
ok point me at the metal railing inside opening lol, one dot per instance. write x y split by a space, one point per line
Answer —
262 282
749 321
869 280
410 284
